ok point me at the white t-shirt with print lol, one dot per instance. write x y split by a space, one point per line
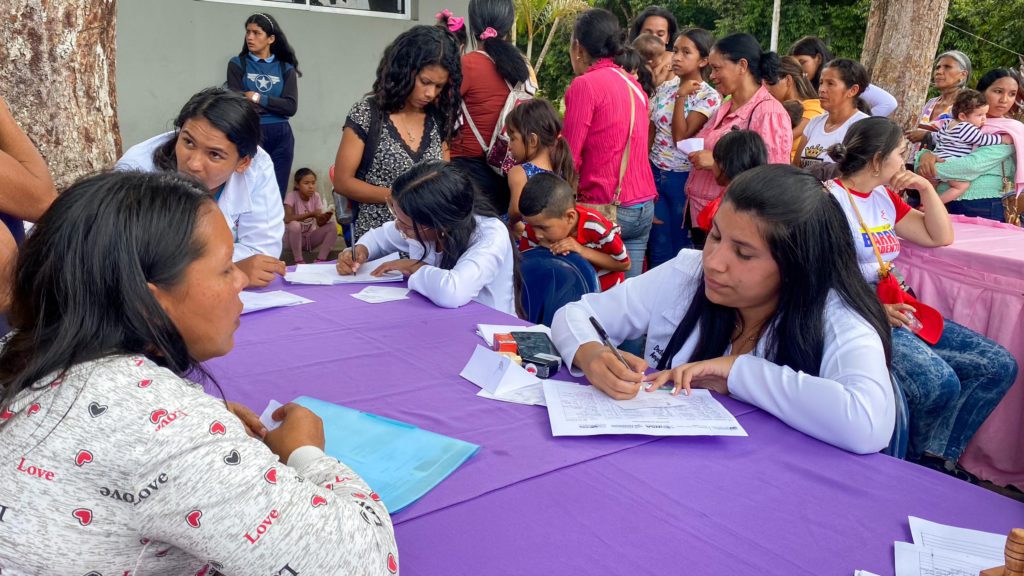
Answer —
881 209
664 153
818 140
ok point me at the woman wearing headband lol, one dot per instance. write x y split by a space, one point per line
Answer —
267 71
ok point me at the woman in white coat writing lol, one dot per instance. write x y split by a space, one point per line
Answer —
772 312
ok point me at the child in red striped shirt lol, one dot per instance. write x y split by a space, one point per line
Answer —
556 222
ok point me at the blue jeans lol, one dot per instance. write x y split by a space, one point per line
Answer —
279 142
950 387
669 237
635 223
991 208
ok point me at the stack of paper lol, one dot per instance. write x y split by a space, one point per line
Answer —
327 274
398 460
378 294
940 550
253 301
487 331
578 410
501 379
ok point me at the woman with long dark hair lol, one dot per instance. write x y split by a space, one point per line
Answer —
267 72
489 74
409 117
606 127
216 140
953 385
813 54
657 21
121 457
748 317
458 249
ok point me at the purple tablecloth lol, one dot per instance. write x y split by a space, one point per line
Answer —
777 502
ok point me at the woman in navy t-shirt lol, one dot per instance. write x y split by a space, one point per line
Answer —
267 71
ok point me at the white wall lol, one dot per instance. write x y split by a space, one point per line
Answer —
168 50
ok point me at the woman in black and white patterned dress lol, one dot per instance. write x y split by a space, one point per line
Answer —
408 118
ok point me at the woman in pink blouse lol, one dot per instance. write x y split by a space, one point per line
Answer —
739 69
599 106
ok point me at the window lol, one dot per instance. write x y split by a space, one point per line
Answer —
397 9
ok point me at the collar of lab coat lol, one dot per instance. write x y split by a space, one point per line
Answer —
235 198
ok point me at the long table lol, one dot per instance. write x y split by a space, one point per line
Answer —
978 282
777 502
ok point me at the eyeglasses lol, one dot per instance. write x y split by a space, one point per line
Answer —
406 230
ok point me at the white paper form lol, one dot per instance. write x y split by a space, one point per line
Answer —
327 274
960 540
656 399
378 294
913 560
487 331
254 301
577 410
532 395
690 145
863 573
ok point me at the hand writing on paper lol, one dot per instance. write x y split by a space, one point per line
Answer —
565 245
710 374
351 259
406 266
299 427
897 314
607 374
260 269
251 422
702 159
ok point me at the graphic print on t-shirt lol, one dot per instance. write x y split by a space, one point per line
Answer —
885 238
264 82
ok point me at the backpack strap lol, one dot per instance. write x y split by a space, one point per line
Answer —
476 132
372 139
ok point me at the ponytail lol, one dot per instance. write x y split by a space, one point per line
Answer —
769 69
491 23
538 117
562 162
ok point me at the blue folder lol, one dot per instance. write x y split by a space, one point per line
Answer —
399 461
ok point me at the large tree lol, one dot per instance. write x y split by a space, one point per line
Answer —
57 75
899 47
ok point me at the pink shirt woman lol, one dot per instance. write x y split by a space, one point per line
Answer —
738 69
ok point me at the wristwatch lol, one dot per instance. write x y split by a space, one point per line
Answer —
255 97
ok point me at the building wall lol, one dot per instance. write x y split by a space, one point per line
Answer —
168 50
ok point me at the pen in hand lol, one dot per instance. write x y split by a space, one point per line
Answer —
607 342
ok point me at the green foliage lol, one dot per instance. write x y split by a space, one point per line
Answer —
997 22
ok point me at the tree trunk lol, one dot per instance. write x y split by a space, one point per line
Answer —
57 63
899 47
547 45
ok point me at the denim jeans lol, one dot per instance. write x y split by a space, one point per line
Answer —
991 208
279 143
669 237
635 223
950 387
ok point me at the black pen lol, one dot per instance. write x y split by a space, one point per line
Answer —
608 343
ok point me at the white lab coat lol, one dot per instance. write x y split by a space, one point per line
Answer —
850 405
250 201
484 273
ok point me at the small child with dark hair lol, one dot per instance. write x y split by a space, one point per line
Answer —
554 221
736 152
961 135
796 111
657 59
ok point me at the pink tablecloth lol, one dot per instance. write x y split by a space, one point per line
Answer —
979 282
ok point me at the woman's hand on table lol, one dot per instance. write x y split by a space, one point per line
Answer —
249 419
299 427
702 159
926 165
407 266
607 374
897 314
260 269
351 259
711 374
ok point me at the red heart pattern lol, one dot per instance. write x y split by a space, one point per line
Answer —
157 415
217 428
33 409
83 515
145 383
6 414
271 476
82 458
392 563
374 496
193 518
359 495
318 500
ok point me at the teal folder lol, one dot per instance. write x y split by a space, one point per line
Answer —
399 461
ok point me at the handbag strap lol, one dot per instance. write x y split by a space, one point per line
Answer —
883 267
629 138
